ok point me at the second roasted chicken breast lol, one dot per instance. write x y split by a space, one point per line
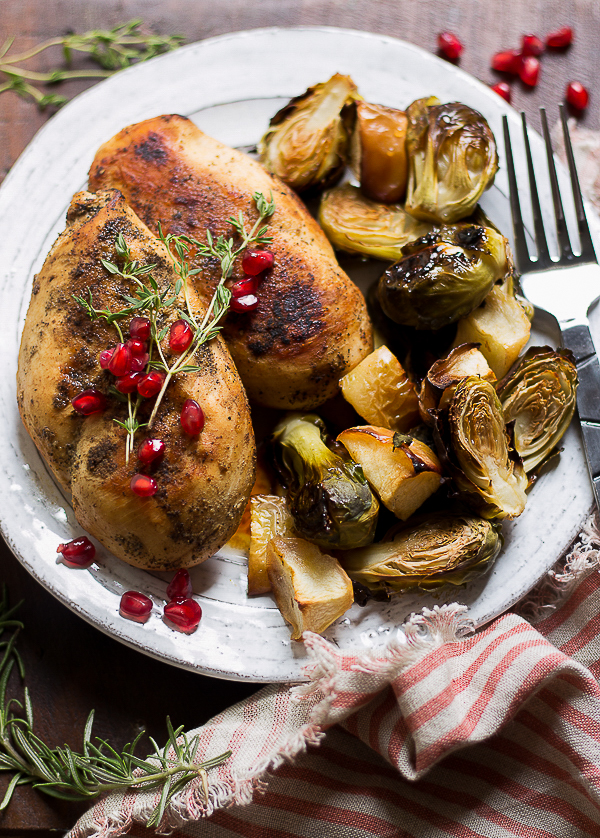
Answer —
311 325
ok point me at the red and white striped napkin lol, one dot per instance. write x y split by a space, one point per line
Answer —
446 732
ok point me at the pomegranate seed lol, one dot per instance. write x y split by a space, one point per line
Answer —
180 586
508 61
184 616
192 417
255 262
105 357
137 346
150 384
502 89
143 485
532 45
88 402
449 45
245 304
247 285
120 363
135 606
140 328
128 383
530 71
138 362
150 450
78 553
180 336
561 38
577 95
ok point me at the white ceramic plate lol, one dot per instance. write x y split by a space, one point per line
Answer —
230 86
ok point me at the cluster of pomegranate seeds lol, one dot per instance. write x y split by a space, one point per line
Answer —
244 297
143 485
88 402
449 45
192 417
180 336
135 606
80 552
184 614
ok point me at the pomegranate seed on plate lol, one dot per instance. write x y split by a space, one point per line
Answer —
135 606
502 89
577 95
120 362
255 262
532 45
105 356
88 402
80 552
449 45
128 383
137 346
244 304
508 61
151 384
184 616
247 285
530 71
561 38
138 362
143 485
180 586
150 450
140 328
192 417
180 336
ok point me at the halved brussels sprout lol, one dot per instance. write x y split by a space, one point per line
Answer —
434 550
539 395
378 152
330 500
443 276
438 385
354 223
452 159
475 448
307 141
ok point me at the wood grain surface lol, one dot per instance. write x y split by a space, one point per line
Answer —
71 666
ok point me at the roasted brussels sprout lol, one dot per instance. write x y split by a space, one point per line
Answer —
538 394
330 500
434 550
475 448
354 223
306 144
452 160
443 276
378 152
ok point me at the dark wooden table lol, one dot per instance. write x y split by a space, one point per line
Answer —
72 667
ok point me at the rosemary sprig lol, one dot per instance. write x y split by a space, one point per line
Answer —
98 768
113 49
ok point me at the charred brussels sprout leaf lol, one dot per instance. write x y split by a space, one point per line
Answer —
330 500
539 394
354 223
307 141
434 550
475 447
452 160
443 276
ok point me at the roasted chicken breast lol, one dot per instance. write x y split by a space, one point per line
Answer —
203 481
311 325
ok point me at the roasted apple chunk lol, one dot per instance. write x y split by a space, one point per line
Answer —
269 518
443 376
310 587
403 471
381 392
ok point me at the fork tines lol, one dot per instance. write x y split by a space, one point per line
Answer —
566 255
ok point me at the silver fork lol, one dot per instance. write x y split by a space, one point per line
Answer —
565 288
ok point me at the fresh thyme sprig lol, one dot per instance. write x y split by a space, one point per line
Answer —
99 768
113 49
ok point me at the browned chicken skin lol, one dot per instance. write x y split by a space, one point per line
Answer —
311 325
204 482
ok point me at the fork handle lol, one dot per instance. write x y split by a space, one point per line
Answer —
579 340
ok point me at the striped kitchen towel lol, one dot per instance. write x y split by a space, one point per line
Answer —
445 732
